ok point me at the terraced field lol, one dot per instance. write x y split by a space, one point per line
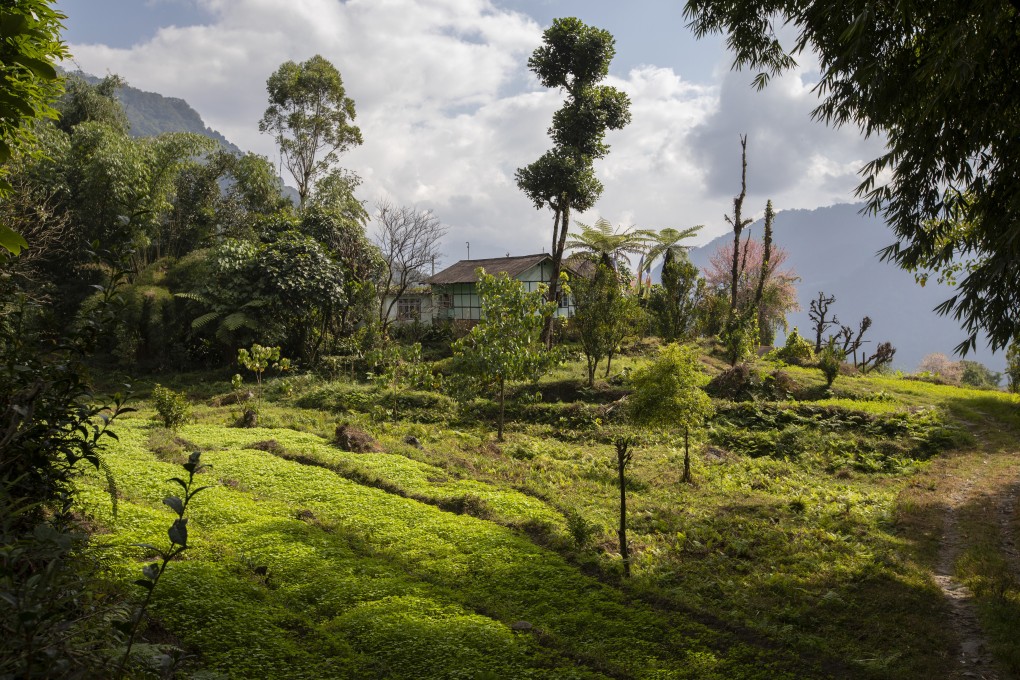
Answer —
806 547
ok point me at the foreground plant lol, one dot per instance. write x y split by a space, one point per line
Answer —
178 535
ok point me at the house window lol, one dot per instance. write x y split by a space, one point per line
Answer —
409 309
446 301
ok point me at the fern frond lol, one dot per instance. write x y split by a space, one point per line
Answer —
203 320
193 296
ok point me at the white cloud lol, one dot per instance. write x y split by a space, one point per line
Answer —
448 111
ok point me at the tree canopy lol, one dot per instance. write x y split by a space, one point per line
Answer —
309 113
938 80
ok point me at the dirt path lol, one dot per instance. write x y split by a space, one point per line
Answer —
1008 525
974 660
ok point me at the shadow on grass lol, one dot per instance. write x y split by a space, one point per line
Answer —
860 609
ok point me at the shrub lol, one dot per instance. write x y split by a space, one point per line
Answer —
978 375
173 408
739 338
940 368
582 530
796 351
829 360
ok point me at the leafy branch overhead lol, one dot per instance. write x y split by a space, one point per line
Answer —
938 81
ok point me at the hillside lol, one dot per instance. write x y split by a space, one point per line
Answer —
810 545
834 249
150 113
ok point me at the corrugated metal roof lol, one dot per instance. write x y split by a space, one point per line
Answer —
464 271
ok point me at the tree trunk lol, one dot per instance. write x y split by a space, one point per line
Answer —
622 458
738 224
559 244
765 259
591 372
499 432
687 457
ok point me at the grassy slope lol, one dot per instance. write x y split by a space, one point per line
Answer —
811 560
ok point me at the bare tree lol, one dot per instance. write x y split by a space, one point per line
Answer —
409 241
738 223
851 342
819 312
882 356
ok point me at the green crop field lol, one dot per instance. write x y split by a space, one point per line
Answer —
804 548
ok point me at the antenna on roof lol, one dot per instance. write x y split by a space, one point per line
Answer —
469 249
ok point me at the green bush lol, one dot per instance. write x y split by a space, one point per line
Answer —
829 361
173 408
415 405
797 351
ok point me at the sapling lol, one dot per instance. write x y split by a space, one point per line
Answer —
667 394
173 407
504 346
257 360
829 361
178 535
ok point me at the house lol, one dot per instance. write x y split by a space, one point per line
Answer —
415 304
454 291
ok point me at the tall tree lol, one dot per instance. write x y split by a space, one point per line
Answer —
738 222
309 114
938 80
574 58
408 239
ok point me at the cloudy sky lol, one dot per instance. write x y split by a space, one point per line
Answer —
449 110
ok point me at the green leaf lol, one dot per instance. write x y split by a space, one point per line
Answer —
13 24
39 67
11 240
175 504
178 532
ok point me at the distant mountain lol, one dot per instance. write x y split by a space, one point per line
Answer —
834 249
150 113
